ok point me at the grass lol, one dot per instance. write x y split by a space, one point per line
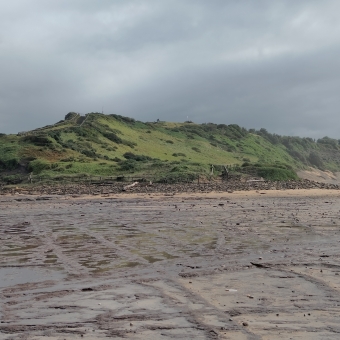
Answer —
165 149
10 151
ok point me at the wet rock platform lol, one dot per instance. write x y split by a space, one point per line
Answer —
224 266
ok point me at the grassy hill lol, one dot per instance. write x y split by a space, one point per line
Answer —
110 145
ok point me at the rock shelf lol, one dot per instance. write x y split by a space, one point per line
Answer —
115 188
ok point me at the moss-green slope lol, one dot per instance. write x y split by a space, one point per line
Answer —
111 144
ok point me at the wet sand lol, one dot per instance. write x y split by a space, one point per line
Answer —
241 265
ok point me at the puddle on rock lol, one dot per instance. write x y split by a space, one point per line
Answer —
151 259
128 264
12 276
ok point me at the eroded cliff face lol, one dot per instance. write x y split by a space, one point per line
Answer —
317 175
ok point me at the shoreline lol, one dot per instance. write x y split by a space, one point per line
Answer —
194 195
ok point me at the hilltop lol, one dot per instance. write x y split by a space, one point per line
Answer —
110 145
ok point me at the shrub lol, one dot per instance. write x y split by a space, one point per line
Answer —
59 169
231 148
157 163
12 179
82 132
129 165
128 143
196 149
179 154
329 142
179 168
9 164
69 159
55 135
138 158
178 177
38 140
38 165
297 155
88 153
315 159
169 141
276 174
123 119
70 115
113 137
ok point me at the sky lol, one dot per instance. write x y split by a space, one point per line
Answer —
259 64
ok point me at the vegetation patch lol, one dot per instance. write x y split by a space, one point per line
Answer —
9 164
276 174
272 172
102 144
130 165
38 140
38 165
138 158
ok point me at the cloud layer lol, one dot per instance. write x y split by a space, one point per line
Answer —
271 64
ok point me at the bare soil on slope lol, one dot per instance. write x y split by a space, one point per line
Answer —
320 176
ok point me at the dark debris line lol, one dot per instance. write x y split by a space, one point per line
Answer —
115 188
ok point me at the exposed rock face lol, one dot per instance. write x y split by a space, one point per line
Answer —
114 188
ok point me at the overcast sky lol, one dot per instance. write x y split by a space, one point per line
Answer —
272 64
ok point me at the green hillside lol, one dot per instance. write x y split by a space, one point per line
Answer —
98 144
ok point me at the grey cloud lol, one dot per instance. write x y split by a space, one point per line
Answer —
257 64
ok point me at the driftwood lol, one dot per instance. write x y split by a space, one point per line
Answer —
130 186
255 180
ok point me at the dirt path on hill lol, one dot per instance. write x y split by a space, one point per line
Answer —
247 265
